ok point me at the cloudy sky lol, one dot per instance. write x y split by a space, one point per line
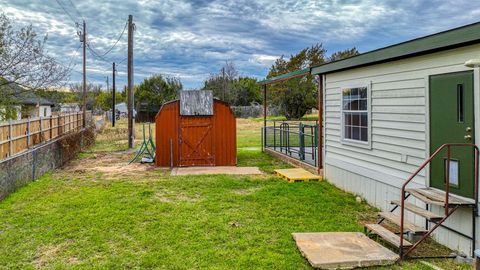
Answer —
192 39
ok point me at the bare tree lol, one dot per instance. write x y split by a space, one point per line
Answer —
221 83
93 91
231 72
23 60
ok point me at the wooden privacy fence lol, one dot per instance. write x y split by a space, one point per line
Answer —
21 135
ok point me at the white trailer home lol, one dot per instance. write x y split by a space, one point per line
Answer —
386 112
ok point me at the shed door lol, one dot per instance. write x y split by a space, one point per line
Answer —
451 121
196 141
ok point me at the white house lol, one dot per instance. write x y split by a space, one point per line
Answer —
385 112
27 104
33 106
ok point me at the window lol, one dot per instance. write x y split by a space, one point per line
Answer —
355 114
44 111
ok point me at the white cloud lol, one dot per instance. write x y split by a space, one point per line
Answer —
263 59
192 39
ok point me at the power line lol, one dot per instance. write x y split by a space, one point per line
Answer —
102 56
123 60
68 13
68 67
75 7
96 55
21 44
118 39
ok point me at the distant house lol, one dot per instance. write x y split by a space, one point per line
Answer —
121 111
69 107
27 104
34 106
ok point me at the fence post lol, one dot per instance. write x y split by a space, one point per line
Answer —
315 144
10 142
274 135
60 125
41 130
51 127
28 132
263 134
301 152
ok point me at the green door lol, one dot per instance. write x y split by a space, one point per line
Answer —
451 121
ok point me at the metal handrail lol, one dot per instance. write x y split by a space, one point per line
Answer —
447 191
304 138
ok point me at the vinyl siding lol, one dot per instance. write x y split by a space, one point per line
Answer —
399 132
398 105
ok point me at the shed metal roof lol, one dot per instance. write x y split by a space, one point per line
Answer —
457 37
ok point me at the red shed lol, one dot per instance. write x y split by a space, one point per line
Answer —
196 130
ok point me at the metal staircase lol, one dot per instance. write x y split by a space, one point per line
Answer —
430 196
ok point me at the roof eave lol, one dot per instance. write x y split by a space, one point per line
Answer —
287 76
454 38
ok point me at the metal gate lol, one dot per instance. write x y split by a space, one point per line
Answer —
196 141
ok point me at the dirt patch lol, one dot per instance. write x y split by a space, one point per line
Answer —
109 164
246 191
48 253
216 170
167 196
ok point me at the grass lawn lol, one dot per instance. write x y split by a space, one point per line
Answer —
98 212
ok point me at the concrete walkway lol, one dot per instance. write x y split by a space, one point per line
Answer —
215 170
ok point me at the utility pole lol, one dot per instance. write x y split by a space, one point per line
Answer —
108 85
84 96
113 95
130 82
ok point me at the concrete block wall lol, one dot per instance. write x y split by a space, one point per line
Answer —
22 169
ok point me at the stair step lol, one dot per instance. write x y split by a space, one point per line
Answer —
419 211
387 235
408 226
415 193
437 197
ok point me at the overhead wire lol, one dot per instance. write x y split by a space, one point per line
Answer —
75 7
89 46
69 66
118 39
102 56
68 13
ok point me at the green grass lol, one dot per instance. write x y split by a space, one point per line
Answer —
93 215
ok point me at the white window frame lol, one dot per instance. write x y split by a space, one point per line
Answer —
357 143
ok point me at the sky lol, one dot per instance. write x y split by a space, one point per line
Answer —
193 39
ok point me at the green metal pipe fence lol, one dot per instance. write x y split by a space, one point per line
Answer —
297 139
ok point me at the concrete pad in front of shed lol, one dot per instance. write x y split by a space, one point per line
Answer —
342 250
215 170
